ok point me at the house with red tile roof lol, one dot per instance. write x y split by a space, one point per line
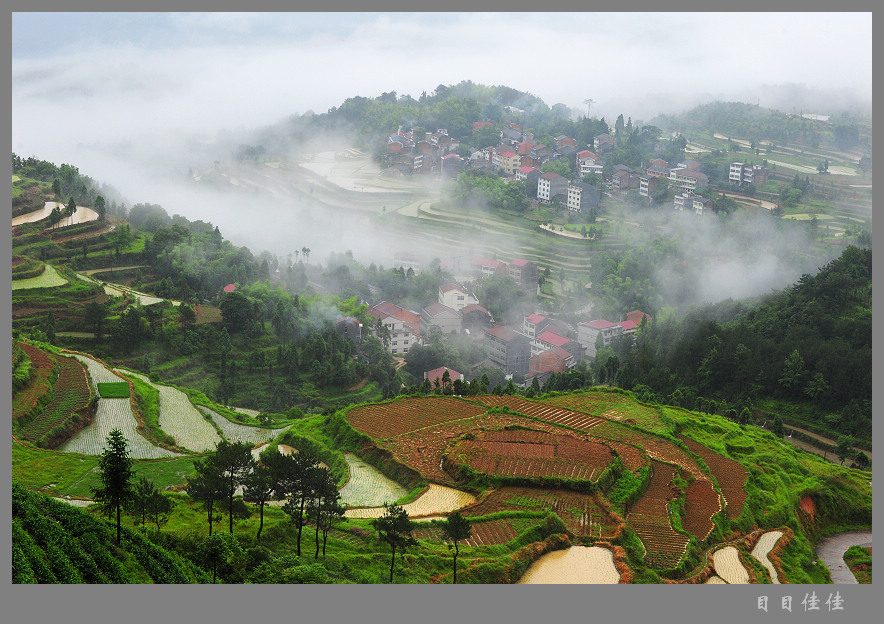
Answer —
438 317
488 267
475 320
404 326
508 162
525 273
438 373
550 361
636 316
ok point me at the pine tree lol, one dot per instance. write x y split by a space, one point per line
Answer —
116 474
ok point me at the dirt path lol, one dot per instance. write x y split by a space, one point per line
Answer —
821 439
769 205
106 269
831 551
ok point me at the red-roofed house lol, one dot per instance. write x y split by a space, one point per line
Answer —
587 334
534 324
509 162
523 171
488 267
403 325
441 318
452 165
563 140
589 163
629 327
438 373
523 148
636 316
508 349
550 361
525 274
548 340
229 288
480 124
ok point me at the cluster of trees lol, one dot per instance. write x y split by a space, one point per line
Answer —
477 187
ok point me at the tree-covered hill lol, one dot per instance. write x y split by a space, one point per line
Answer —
809 345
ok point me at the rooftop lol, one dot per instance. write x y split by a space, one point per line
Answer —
504 333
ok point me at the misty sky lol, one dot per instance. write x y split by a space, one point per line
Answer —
112 77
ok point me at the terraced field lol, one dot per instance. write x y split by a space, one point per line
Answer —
701 503
612 406
730 476
488 533
649 518
539 410
728 566
235 432
578 564
113 414
50 278
367 487
583 514
71 395
26 398
438 499
387 420
180 419
761 550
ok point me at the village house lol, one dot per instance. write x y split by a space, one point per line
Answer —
549 185
508 349
688 179
582 197
588 162
588 332
437 317
636 316
533 324
547 340
403 325
451 166
646 186
525 273
439 373
508 162
455 296
603 143
551 361
623 180
485 266
523 171
741 174
475 320
349 328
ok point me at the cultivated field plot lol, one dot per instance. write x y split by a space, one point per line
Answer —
438 499
519 453
50 278
612 406
583 514
425 449
730 476
727 565
98 372
761 550
701 503
578 564
649 518
181 420
71 395
26 398
488 533
387 420
543 411
715 580
367 487
656 447
113 414
235 432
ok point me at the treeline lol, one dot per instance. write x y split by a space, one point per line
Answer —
67 182
748 121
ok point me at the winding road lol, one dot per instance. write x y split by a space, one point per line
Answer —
831 550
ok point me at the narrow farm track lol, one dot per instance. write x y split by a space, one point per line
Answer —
761 550
181 420
831 551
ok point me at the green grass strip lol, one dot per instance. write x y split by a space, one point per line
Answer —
113 390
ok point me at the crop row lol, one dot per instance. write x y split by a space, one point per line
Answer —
731 476
701 503
542 411
26 399
113 414
583 514
71 395
181 420
664 547
612 406
660 491
656 447
761 550
367 486
234 432
487 533
387 420
729 567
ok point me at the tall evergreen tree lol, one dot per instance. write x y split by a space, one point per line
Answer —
115 468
